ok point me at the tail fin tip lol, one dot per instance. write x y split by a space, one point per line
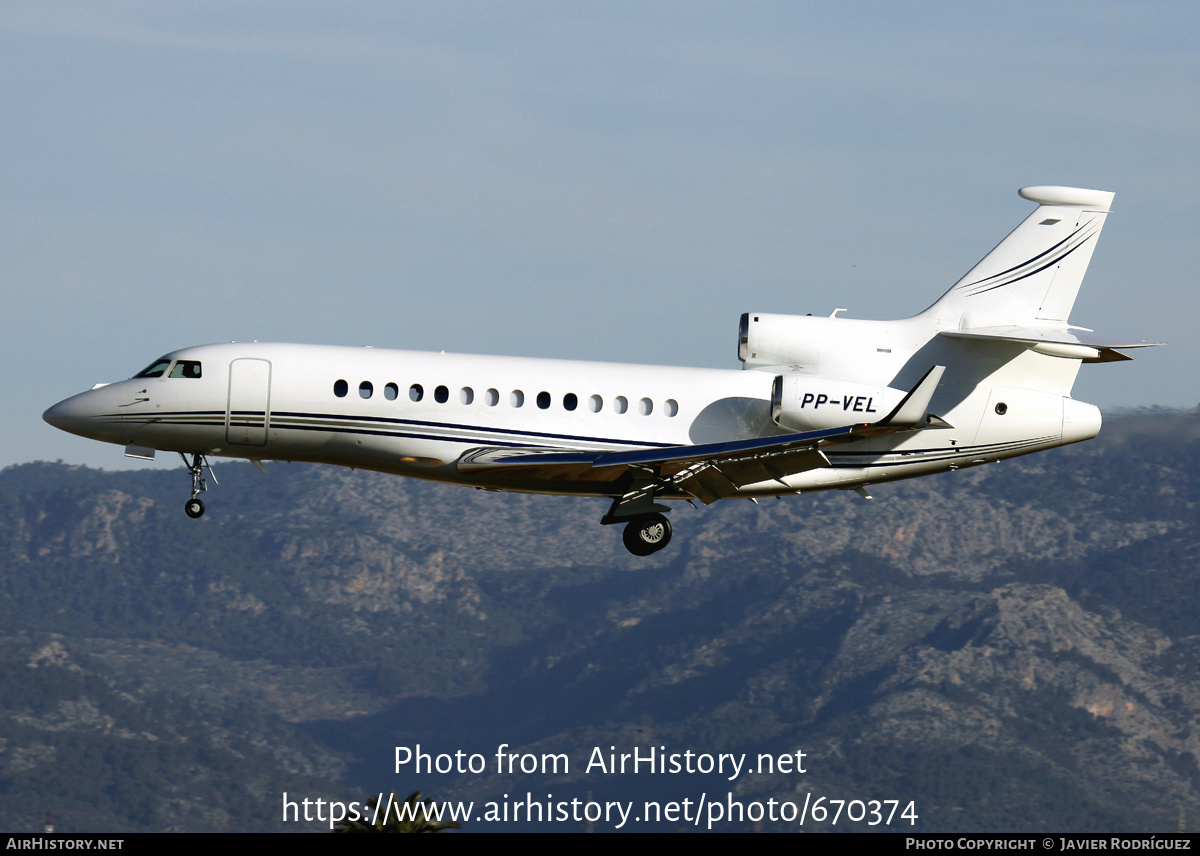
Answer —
1048 194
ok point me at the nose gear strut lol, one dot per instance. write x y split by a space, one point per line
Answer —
194 507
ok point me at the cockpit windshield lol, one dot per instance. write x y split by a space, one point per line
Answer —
186 368
182 368
156 369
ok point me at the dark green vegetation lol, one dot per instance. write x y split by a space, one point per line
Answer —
1013 647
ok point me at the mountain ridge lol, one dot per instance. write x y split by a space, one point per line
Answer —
1012 646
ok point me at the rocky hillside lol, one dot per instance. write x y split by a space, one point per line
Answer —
1010 647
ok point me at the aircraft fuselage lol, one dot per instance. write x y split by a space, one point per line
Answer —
821 403
415 414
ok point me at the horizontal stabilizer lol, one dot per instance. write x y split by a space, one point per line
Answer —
1079 342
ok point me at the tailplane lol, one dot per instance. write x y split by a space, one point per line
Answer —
1032 277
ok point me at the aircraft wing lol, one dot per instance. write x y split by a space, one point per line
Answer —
708 471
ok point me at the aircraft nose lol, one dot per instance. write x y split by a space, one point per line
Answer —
77 414
61 415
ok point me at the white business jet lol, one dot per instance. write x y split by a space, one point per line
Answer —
821 403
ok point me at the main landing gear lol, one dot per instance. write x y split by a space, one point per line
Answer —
646 534
194 507
647 530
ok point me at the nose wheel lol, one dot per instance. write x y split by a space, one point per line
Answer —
647 534
194 507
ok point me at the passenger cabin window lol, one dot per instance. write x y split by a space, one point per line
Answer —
543 400
391 391
416 392
186 368
620 404
156 369
340 388
672 407
366 389
570 401
466 395
441 395
516 398
493 397
595 403
645 407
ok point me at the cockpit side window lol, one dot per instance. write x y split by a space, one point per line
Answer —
156 369
186 368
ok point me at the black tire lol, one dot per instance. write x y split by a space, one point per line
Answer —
193 508
647 534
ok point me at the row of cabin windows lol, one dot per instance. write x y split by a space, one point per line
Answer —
516 398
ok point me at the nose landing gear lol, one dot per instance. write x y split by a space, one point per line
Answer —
194 507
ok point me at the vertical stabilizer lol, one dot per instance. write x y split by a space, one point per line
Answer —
1032 277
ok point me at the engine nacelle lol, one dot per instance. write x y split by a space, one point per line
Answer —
825 346
802 402
773 340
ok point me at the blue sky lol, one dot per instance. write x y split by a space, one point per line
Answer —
614 181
